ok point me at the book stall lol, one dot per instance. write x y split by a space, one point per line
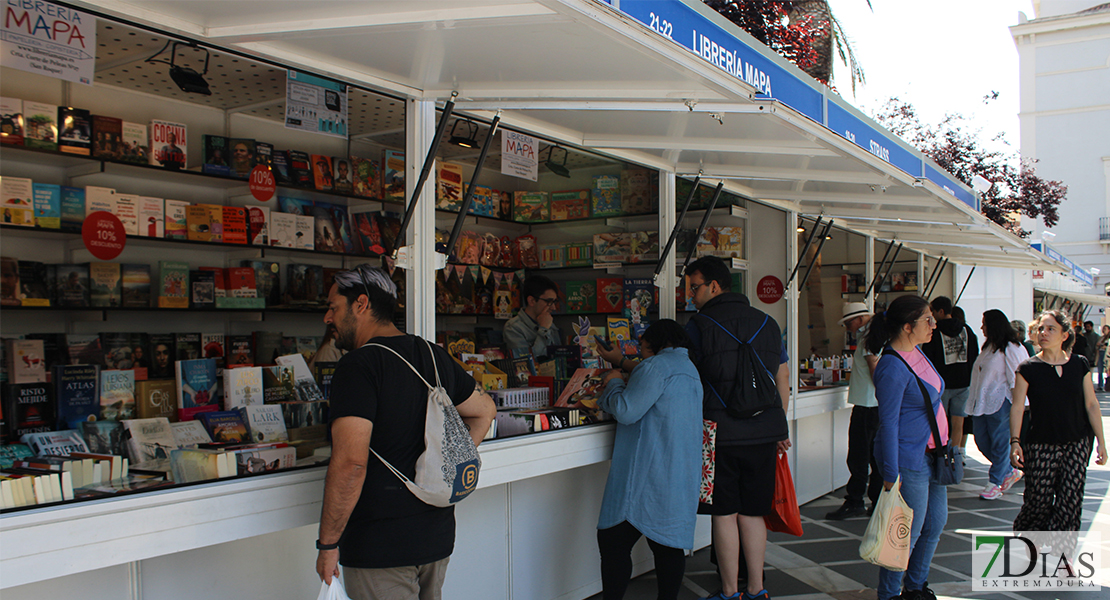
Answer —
178 200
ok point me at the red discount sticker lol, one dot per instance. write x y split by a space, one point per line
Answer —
103 235
769 289
262 183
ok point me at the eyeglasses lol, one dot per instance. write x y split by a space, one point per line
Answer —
549 301
931 320
694 287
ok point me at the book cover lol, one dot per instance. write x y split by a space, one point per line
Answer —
332 220
191 465
618 330
639 299
242 387
643 246
168 145
136 144
368 177
531 207
264 155
198 218
54 443
107 137
176 220
99 199
322 178
300 169
188 434
187 346
449 186
580 254
215 155
572 204
366 233
117 350
106 289
198 387
302 415
267 346
140 355
323 372
34 284
83 349
149 217
135 287
303 235
117 395
482 201
212 346
25 361
234 225
77 389
47 200
17 199
393 183
265 422
239 351
342 179
612 247
305 389
581 296
280 167
41 122
605 197
173 284
304 284
156 398
72 208
104 437
283 230
73 286
225 426
241 282
277 384
148 439
583 389
162 354
725 242
267 280
74 130
242 159
12 124
610 294
258 225
261 460
639 190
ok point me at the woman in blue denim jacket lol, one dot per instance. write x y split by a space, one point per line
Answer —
905 434
652 490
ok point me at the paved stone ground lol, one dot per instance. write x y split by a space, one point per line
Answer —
824 563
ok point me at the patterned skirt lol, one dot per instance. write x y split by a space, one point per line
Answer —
1055 477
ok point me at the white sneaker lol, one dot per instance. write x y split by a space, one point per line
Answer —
991 492
1011 479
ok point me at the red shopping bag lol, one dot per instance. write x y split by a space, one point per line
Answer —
785 518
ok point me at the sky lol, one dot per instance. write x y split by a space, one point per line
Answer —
942 56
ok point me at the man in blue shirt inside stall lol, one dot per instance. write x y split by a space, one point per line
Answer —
533 329
747 449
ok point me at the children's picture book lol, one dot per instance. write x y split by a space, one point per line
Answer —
639 299
168 145
610 294
117 395
449 186
639 191
581 296
47 199
612 247
725 242
393 183
242 387
583 389
605 196
368 177
483 202
573 204
531 207
198 387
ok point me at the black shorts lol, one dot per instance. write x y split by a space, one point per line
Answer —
744 481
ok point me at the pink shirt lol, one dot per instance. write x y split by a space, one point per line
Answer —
924 369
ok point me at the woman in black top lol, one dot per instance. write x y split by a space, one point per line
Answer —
1064 415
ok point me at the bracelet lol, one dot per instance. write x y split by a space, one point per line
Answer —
320 546
1015 440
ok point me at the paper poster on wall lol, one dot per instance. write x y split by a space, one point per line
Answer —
518 155
315 104
50 40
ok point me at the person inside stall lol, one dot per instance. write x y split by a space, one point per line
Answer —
658 438
533 328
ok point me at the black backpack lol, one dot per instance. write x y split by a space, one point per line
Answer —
755 389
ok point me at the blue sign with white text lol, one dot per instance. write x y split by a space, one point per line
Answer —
692 30
1076 271
945 181
863 135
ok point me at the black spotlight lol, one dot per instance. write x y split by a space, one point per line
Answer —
558 168
466 141
187 79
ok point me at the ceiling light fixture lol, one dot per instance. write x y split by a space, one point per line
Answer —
558 168
470 140
187 79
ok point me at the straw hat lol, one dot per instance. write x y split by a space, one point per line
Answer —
853 310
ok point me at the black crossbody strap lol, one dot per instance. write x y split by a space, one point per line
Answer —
924 393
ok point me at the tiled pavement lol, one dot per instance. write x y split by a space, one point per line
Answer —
824 563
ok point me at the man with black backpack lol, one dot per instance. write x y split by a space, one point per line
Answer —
390 543
746 377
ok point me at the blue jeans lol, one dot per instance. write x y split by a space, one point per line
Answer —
992 436
929 502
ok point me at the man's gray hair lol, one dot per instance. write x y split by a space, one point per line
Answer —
373 275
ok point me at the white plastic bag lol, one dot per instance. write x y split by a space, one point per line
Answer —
334 591
887 540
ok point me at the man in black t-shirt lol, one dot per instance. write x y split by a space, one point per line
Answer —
384 536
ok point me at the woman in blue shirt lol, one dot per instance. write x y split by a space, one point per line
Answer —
905 434
653 482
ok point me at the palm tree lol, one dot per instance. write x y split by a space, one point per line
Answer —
805 32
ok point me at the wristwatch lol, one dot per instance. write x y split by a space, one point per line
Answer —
320 546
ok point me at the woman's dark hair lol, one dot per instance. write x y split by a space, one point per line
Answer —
1065 326
957 314
886 325
665 333
998 330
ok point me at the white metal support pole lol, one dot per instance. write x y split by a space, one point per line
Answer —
869 270
420 314
792 298
668 189
921 260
